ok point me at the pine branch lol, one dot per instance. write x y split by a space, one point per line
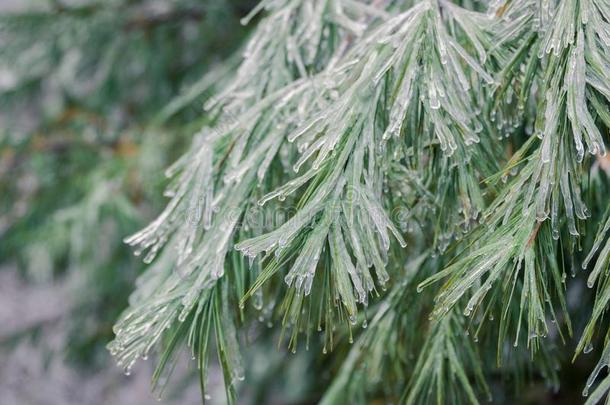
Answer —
360 120
217 179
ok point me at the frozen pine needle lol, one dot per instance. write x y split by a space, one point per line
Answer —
400 184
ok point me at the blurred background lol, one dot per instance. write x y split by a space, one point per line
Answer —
96 99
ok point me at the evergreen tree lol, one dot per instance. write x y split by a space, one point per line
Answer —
437 165
394 190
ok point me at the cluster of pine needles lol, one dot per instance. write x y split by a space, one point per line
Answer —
406 188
